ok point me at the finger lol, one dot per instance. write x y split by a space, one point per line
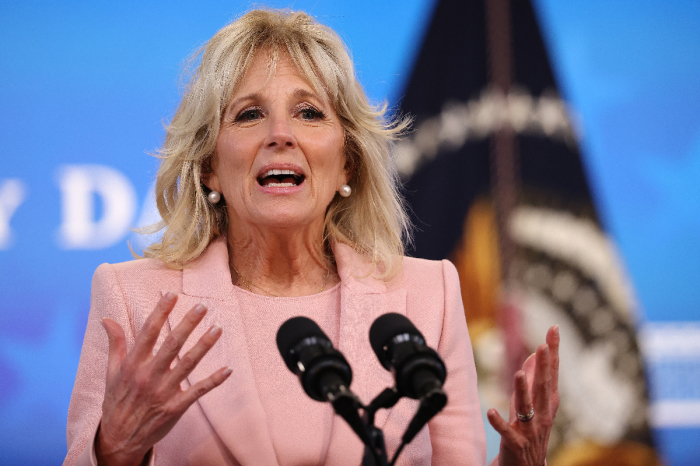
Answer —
529 368
500 425
553 343
523 398
173 342
190 360
541 384
514 441
117 346
203 387
146 339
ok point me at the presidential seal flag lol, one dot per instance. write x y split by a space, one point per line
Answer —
496 183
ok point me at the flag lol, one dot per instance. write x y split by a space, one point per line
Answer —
495 182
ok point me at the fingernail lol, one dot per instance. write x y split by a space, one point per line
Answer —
227 372
214 331
169 296
200 309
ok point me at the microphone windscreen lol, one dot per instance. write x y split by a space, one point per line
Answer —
386 327
291 333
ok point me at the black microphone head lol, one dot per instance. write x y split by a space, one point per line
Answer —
309 353
291 333
386 327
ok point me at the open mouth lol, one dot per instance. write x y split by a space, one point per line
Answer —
280 179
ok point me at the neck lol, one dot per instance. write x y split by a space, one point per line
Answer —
279 263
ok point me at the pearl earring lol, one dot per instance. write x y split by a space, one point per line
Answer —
345 190
214 197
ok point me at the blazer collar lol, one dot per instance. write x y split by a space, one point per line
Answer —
355 272
234 408
209 276
363 298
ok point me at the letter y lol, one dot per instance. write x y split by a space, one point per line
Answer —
12 194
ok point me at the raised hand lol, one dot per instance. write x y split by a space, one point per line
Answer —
143 397
534 404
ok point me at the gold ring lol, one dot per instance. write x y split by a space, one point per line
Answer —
526 417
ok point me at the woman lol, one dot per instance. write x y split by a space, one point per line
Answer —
278 198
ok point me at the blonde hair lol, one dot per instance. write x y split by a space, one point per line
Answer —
373 219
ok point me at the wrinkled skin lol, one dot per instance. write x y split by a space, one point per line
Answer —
143 396
536 385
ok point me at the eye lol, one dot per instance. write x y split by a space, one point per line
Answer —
310 113
248 115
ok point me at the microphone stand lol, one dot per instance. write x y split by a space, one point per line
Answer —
375 450
346 404
430 404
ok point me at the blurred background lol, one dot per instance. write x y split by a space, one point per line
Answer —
555 159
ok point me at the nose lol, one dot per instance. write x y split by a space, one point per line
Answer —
280 133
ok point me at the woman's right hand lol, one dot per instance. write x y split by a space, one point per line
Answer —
143 398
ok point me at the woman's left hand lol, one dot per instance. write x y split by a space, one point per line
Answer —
524 441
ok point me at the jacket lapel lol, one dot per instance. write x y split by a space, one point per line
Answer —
234 408
363 298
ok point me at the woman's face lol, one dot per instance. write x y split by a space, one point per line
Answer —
279 157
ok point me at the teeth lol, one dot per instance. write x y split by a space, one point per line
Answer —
279 172
280 185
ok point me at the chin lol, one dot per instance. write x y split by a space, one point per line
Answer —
283 218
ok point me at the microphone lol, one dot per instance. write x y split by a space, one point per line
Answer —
401 348
309 353
418 370
324 373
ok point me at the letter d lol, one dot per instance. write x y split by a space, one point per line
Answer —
79 184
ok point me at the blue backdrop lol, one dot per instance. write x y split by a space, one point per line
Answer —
85 89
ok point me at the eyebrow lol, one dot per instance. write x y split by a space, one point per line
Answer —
304 93
235 102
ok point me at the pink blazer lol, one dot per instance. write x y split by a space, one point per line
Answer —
228 425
